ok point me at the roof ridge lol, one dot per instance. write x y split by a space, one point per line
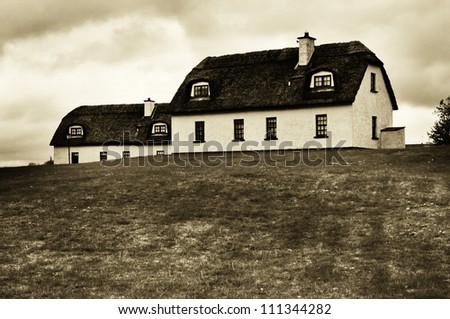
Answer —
109 104
112 108
276 55
354 46
104 108
247 58
252 52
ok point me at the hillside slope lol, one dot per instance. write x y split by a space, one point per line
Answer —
375 228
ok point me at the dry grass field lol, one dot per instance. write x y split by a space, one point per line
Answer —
375 228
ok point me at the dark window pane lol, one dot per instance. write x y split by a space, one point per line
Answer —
199 131
271 128
239 129
321 125
201 91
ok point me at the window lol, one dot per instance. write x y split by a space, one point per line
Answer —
159 128
126 154
160 152
271 128
321 125
374 128
199 132
373 83
200 90
75 131
103 156
75 158
322 81
239 130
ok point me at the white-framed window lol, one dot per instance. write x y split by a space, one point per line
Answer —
322 80
76 131
200 90
126 154
159 128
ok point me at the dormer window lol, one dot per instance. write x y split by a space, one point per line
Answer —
76 131
322 81
200 90
159 128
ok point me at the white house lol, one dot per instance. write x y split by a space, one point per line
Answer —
331 95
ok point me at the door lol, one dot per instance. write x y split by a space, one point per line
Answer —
74 157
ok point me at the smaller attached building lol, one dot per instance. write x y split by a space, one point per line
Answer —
106 132
392 138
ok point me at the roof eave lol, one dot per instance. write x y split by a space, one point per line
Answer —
313 104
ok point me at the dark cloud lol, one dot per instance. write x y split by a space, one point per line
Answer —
24 18
30 18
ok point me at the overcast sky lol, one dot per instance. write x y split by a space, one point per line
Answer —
56 55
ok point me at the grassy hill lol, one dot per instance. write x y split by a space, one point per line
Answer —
375 228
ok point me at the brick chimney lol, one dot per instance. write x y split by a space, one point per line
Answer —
149 106
305 49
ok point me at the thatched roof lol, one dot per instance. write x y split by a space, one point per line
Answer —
261 79
112 124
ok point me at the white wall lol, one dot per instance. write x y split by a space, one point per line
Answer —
393 139
368 104
92 153
295 129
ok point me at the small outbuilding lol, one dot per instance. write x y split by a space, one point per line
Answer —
392 138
